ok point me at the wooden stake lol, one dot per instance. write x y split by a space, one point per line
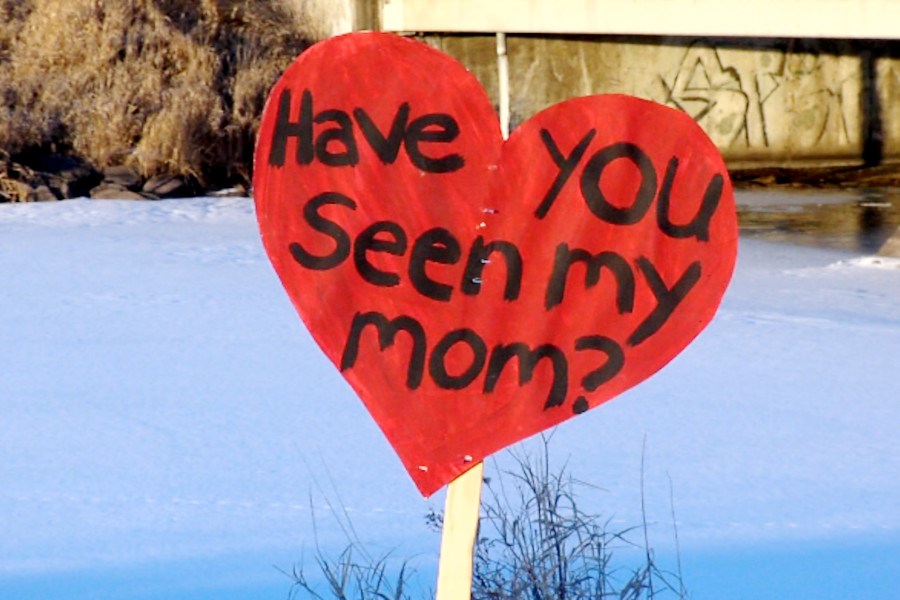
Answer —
458 535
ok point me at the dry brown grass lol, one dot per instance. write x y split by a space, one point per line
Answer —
168 86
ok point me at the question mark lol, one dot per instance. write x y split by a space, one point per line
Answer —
615 360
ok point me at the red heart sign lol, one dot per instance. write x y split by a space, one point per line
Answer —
475 291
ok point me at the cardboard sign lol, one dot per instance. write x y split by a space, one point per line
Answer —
474 291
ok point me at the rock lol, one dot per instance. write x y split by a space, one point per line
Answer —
239 190
168 186
78 181
18 183
20 172
113 191
43 193
12 190
154 182
63 176
122 175
891 247
78 184
64 187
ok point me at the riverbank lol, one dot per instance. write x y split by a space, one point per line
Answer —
157 89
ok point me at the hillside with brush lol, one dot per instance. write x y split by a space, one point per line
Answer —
153 97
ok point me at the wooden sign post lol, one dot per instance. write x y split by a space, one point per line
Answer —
475 291
458 537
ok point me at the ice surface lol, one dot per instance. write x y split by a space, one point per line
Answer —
169 429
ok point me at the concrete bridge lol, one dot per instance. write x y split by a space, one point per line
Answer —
775 83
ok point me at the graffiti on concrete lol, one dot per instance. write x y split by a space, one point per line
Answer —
765 98
814 102
712 94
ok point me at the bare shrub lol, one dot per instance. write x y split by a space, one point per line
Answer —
347 577
535 541
354 573
12 14
168 86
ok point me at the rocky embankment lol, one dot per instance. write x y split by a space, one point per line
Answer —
60 177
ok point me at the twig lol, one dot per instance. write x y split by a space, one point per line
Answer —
647 551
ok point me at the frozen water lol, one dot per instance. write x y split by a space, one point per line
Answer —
169 429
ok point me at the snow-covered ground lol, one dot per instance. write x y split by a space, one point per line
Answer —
168 429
